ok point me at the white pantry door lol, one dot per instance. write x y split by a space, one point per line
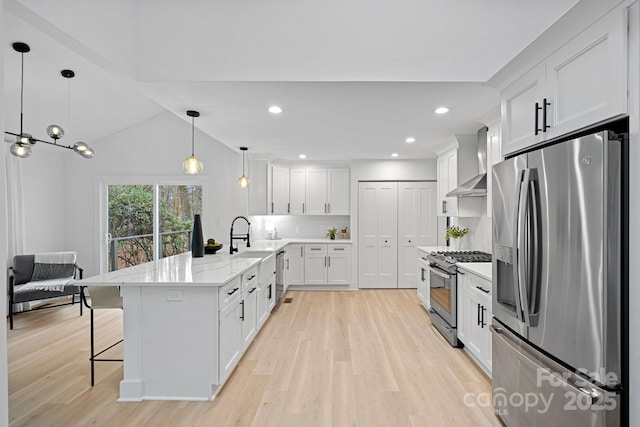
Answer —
378 234
417 226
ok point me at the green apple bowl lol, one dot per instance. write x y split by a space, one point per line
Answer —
212 249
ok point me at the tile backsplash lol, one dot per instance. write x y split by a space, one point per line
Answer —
298 226
479 237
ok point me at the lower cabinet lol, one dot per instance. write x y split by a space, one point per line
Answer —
327 264
249 315
266 300
229 323
474 317
294 264
423 284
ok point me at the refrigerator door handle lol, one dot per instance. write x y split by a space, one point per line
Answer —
521 251
516 249
535 248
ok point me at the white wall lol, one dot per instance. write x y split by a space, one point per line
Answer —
149 150
383 170
4 381
44 189
479 237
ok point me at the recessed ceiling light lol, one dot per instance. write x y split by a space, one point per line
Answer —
274 109
441 110
302 156
410 140
395 155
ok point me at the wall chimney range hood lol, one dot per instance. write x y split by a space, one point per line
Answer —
476 186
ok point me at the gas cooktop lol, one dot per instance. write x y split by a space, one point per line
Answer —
452 257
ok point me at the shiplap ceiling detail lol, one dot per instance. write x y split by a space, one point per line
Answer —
355 78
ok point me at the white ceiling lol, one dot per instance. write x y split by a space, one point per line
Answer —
354 78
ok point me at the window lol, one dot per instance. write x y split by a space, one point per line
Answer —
149 221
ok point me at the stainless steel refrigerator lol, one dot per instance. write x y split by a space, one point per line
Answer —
558 265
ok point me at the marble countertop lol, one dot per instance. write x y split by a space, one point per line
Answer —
482 269
210 270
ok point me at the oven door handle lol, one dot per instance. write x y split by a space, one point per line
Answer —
439 273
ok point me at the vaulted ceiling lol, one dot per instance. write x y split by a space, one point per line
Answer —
354 78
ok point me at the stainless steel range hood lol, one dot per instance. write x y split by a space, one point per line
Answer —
476 186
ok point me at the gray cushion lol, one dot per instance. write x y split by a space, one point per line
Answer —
23 268
33 295
52 271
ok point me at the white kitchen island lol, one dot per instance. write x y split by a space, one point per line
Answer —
173 340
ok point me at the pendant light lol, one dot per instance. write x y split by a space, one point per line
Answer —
243 181
191 164
22 146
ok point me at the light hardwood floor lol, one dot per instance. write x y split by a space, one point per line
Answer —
363 358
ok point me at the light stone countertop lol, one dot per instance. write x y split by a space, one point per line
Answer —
210 270
482 269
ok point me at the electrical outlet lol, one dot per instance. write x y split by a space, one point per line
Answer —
297 229
174 295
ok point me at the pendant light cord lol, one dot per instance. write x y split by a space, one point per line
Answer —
243 153
21 90
192 134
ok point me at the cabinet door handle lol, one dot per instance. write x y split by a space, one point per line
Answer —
301 254
479 321
287 263
545 104
252 290
444 206
481 288
325 261
251 278
233 291
338 249
271 207
303 207
329 261
242 313
483 324
269 295
422 274
536 129
288 207
316 249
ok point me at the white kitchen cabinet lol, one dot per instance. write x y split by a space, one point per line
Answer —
338 187
279 190
580 84
417 226
297 191
474 317
294 264
230 332
327 264
317 190
423 280
338 264
249 308
259 188
494 156
315 264
327 191
447 172
265 300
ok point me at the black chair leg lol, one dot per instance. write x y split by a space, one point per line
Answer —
11 312
92 353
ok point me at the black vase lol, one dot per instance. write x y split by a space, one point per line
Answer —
197 240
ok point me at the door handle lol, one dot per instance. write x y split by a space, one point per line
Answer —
483 323
252 290
329 261
444 206
288 207
271 207
233 291
520 254
480 288
242 313
328 207
325 261
478 321
287 263
302 207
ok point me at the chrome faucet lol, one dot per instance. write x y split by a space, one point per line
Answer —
233 237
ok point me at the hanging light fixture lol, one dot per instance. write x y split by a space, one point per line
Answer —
243 181
22 146
191 164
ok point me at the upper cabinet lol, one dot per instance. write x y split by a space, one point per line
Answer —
581 83
447 180
309 191
494 156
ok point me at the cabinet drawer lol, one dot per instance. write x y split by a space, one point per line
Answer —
228 293
318 249
337 249
250 278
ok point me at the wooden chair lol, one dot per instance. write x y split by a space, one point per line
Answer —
43 276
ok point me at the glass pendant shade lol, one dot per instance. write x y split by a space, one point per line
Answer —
55 131
192 165
20 150
83 149
243 181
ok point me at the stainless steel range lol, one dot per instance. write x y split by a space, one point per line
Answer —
443 288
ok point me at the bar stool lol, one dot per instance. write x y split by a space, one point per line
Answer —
102 297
